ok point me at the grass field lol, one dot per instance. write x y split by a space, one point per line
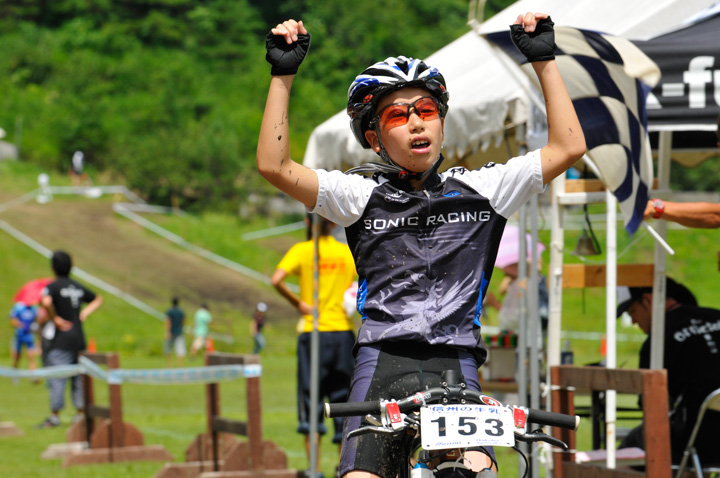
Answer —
152 269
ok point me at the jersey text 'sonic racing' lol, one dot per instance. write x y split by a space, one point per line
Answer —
424 258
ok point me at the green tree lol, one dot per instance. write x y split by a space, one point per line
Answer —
168 94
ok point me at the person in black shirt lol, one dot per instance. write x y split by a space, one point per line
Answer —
63 299
174 338
691 358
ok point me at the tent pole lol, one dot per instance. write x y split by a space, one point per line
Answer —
314 351
610 322
522 357
535 329
557 244
657 334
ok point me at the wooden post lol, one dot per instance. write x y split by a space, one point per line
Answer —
218 449
89 396
651 383
656 410
117 428
563 398
213 410
254 417
112 439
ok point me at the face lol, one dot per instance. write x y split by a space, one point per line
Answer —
641 313
414 145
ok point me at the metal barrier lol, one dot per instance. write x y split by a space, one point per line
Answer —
218 453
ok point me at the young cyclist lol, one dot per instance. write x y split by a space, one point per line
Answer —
424 243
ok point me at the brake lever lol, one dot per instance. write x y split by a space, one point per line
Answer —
538 435
371 429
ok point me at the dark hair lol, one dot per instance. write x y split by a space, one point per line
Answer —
680 293
175 301
61 263
674 290
325 226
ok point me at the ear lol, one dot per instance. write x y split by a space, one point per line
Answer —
372 138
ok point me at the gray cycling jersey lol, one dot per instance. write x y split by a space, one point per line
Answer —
425 258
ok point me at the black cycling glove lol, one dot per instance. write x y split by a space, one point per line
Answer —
538 45
285 59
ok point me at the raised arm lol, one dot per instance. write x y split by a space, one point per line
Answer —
534 37
287 45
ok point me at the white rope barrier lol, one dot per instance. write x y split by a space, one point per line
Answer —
175 376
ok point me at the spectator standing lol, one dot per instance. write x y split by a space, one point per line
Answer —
23 319
336 272
174 338
201 330
63 300
257 325
79 177
692 361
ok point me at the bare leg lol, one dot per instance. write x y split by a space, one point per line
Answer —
307 451
478 461
32 359
475 460
361 474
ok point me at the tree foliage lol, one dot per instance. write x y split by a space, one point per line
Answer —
168 94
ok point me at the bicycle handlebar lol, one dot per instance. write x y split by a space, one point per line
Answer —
433 395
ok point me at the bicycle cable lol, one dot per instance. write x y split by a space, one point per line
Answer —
527 463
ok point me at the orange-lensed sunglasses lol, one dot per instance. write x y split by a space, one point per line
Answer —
398 114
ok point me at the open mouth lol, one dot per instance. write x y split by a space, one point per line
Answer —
420 145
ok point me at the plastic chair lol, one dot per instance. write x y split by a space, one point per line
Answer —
711 402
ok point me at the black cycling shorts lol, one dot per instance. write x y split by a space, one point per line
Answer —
394 370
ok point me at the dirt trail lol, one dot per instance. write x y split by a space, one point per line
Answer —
140 263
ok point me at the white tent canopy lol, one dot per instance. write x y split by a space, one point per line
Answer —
485 87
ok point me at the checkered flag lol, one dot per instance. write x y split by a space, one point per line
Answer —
608 79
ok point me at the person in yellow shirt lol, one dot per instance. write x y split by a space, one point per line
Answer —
336 272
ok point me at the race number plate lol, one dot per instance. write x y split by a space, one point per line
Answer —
450 426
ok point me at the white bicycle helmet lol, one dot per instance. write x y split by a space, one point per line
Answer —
382 78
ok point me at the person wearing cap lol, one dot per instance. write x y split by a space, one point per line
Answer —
256 327
691 358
